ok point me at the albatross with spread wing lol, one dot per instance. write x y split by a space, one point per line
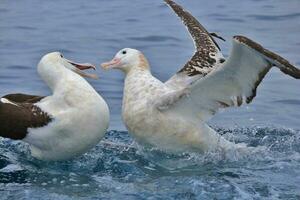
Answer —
173 115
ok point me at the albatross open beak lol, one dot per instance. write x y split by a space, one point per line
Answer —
111 64
79 67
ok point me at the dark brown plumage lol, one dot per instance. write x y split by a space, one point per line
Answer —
23 98
19 115
202 61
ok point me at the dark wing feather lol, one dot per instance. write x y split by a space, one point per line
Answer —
199 34
233 84
23 98
16 118
207 55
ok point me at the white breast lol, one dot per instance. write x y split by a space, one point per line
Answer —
81 118
166 130
138 112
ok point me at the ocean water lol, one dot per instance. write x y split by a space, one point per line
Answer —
93 31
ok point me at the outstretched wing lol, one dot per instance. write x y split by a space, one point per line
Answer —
234 83
207 56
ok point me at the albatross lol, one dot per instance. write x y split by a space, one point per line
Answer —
173 115
60 126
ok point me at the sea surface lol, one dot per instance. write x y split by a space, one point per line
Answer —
118 168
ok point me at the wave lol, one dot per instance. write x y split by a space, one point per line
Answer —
118 161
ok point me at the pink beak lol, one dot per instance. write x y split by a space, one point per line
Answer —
82 66
111 64
79 67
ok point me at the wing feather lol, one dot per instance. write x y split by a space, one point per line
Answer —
233 84
17 117
23 98
207 56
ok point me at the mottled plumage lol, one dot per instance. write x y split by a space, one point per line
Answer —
173 115
207 55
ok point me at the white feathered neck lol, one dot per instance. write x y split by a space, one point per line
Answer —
57 76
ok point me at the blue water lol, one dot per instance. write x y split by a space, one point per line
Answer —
117 167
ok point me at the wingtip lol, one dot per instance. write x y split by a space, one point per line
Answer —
168 1
291 71
173 5
284 65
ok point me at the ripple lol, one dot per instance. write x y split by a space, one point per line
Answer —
268 6
230 19
275 17
18 67
288 101
9 77
2 10
132 20
217 15
25 27
154 38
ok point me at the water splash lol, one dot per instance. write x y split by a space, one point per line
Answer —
118 167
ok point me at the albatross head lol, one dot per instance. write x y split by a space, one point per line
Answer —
53 68
126 60
55 61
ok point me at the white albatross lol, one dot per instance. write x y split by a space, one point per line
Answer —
172 116
58 127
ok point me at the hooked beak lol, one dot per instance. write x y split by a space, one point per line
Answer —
111 64
79 67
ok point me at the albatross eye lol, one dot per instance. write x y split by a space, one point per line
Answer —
61 56
124 52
